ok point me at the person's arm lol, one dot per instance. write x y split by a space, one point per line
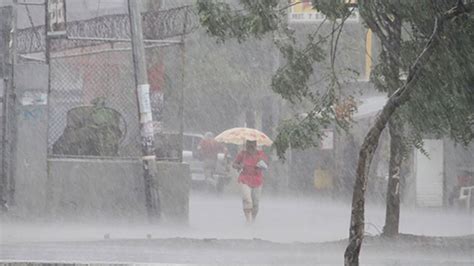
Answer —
263 161
263 157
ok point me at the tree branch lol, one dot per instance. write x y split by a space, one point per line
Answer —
288 6
334 44
382 27
372 23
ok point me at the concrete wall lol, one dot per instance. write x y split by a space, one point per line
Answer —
174 180
98 190
31 83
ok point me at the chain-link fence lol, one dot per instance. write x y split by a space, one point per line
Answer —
95 76
101 76
92 102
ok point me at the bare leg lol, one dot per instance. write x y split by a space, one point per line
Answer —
248 215
247 201
256 192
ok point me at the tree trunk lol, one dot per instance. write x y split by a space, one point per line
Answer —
392 214
366 154
399 97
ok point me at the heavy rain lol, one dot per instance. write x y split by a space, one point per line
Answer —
237 132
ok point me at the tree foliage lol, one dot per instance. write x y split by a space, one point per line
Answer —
291 80
438 90
442 104
222 21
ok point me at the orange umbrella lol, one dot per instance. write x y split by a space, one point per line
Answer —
239 135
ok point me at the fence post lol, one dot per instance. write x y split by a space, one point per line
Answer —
183 87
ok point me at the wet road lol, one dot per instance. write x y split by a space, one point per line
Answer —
216 225
279 220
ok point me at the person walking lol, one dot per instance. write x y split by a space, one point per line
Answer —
251 163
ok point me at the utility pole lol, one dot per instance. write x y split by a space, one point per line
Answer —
144 108
10 115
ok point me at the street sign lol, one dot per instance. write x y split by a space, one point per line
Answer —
302 11
56 18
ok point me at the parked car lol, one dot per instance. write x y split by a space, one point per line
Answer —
190 156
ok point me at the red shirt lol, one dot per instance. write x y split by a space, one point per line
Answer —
251 175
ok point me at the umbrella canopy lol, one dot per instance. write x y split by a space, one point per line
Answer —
239 135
